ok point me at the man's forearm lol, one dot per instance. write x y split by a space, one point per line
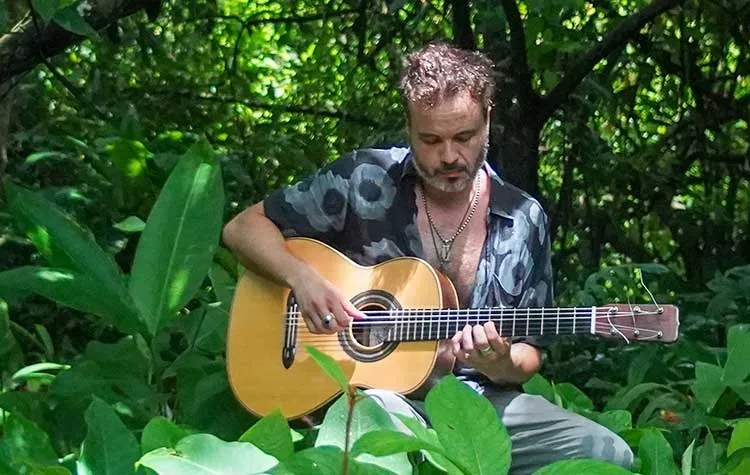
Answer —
523 362
258 244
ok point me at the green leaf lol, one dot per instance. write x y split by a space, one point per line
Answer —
39 156
708 386
109 448
330 367
573 398
7 341
616 421
538 385
64 244
656 454
707 456
740 439
131 224
327 460
468 427
436 458
45 8
367 416
161 432
24 441
117 373
72 289
738 347
584 467
182 231
388 442
204 454
687 459
630 395
272 435
71 20
26 372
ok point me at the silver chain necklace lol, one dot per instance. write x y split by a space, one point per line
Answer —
443 253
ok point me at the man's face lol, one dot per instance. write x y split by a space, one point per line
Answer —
449 141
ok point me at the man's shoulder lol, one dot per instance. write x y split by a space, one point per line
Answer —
383 155
509 200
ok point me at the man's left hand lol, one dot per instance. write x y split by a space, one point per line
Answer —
481 347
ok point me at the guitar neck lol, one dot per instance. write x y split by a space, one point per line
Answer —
441 324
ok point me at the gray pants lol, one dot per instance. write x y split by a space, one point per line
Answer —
540 432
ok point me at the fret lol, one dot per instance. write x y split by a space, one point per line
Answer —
513 331
429 333
528 319
501 329
557 326
593 320
574 319
543 321
421 329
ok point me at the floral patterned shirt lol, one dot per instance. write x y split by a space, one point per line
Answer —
364 205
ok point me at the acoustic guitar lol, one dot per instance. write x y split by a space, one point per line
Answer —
410 308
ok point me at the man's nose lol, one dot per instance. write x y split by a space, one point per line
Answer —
449 153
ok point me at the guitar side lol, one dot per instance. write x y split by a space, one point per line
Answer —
259 330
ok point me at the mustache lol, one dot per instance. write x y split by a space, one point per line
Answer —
453 168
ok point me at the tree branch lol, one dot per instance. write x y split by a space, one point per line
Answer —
518 52
463 35
286 108
23 48
615 39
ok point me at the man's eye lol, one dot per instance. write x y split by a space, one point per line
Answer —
430 141
463 138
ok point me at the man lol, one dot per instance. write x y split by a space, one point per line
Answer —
438 200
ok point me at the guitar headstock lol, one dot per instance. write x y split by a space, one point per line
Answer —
638 322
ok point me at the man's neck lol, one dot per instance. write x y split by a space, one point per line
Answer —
448 200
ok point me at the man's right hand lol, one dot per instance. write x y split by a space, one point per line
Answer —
323 307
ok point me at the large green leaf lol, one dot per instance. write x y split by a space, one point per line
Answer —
117 373
387 442
583 467
468 427
204 454
708 386
73 289
64 244
70 19
740 440
110 448
45 8
737 368
656 454
429 436
272 435
24 442
367 416
328 460
181 235
161 432
330 367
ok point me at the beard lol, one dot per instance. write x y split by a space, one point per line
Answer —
434 179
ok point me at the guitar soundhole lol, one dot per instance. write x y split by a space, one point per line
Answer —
365 341
370 336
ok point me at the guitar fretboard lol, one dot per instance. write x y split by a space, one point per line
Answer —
440 324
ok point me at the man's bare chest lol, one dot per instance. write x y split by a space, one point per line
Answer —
465 251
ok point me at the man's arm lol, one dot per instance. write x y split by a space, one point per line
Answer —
259 244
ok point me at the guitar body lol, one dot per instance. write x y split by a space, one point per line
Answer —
264 323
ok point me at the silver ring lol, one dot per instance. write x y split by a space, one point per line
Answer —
327 319
486 350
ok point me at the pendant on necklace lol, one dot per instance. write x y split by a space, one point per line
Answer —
445 249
